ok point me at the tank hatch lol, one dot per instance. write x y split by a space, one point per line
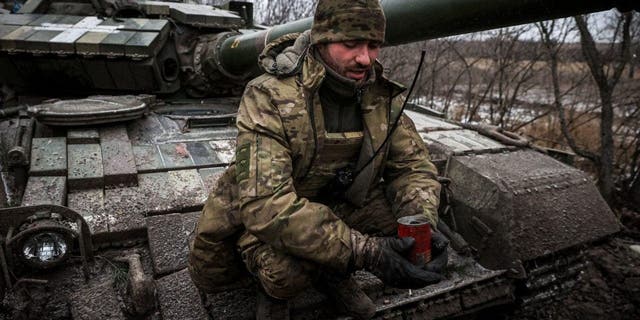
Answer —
90 111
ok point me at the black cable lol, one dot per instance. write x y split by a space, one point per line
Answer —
395 124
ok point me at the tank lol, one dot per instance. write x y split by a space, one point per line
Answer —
122 120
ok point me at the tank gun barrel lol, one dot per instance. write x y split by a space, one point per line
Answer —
416 20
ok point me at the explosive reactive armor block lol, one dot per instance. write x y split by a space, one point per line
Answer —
523 205
72 50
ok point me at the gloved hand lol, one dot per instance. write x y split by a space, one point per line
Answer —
439 254
384 258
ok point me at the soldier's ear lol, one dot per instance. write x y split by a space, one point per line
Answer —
320 47
321 50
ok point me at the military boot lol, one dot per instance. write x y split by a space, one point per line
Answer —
270 308
348 297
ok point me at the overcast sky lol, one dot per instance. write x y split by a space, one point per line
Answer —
599 19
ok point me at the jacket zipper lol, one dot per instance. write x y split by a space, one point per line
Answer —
359 93
312 117
340 118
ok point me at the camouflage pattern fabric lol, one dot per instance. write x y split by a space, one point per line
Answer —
280 134
339 20
281 275
284 276
338 151
213 261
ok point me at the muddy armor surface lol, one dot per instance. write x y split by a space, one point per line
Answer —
140 185
281 137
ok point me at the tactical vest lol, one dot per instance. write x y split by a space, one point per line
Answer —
316 156
338 151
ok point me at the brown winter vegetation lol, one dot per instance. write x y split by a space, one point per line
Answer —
569 84
579 96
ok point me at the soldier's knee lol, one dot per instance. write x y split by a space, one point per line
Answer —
284 288
283 276
213 265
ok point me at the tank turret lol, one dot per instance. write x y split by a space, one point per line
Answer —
168 47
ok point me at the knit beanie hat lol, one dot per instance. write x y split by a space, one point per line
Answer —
344 20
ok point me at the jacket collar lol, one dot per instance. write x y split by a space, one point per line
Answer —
291 55
313 73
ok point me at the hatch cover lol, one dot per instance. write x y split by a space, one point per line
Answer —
90 111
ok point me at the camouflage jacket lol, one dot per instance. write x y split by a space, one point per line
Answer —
280 126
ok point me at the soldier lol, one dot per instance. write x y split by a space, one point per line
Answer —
321 174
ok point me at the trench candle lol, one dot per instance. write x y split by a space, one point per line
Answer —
418 228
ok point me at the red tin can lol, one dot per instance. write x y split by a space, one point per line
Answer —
418 228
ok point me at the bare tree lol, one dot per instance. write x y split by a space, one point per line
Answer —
468 63
606 76
553 35
605 67
439 75
499 72
494 76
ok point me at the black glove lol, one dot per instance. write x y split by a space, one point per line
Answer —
439 253
384 258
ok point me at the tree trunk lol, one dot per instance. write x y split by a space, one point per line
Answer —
607 147
634 191
606 85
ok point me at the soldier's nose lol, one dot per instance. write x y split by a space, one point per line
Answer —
363 57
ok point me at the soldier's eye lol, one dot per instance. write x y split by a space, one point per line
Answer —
350 44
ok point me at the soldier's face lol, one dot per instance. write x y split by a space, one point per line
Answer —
351 59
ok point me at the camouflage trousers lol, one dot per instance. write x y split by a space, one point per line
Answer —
283 276
215 265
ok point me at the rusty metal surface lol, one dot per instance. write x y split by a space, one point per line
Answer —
20 223
48 157
468 283
169 240
66 294
427 123
20 152
85 166
177 166
193 14
517 208
90 204
45 190
158 129
522 205
553 276
178 298
83 136
457 142
117 157
163 184
99 301
468 286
